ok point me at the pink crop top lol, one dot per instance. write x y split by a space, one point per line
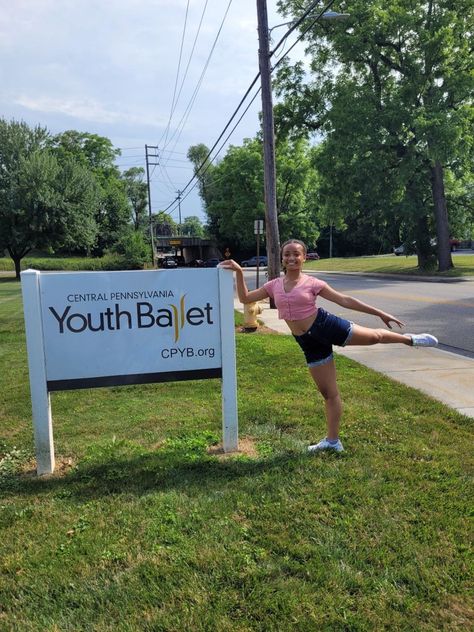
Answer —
300 302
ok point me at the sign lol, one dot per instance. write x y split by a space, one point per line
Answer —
258 227
93 329
175 242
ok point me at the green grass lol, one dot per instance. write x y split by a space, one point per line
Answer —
464 264
390 264
141 528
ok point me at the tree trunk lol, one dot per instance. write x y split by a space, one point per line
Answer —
445 261
16 261
424 249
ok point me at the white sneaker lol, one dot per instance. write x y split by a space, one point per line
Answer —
325 445
423 340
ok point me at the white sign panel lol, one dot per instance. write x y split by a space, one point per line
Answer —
91 329
129 323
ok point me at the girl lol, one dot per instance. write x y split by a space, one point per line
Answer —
316 330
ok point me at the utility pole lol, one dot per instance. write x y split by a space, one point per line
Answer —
272 232
148 163
178 193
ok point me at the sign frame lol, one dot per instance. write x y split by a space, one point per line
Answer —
37 363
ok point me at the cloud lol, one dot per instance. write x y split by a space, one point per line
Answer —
85 109
109 67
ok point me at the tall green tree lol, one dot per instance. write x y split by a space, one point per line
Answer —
192 226
96 153
137 194
44 203
164 225
203 169
91 150
234 198
392 92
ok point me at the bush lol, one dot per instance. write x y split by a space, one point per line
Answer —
68 264
133 250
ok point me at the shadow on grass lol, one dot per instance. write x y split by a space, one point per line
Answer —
8 279
143 474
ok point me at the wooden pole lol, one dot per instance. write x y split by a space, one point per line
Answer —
272 232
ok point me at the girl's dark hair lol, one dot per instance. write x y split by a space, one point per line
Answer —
294 241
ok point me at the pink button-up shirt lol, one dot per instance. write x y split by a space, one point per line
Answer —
298 303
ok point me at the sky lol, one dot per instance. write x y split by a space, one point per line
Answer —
111 67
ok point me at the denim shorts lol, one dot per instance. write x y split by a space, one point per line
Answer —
327 330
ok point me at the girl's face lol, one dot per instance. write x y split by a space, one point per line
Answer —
293 256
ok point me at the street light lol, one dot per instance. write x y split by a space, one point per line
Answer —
327 15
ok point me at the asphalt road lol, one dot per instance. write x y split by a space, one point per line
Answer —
445 309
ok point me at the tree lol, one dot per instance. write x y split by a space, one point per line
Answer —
192 226
164 224
133 248
97 153
233 193
112 212
43 203
203 169
137 195
399 113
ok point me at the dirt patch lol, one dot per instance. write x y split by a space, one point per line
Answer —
246 447
458 613
62 467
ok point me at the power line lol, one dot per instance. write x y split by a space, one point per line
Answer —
191 53
209 163
187 111
283 39
177 72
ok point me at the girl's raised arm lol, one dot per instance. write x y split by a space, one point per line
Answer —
330 294
245 296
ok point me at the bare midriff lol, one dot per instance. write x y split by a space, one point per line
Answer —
300 327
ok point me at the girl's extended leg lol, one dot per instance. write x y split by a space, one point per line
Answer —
366 336
324 376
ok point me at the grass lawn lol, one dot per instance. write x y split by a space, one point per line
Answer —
464 264
390 264
145 526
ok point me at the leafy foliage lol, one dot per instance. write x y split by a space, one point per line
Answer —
113 210
164 224
44 202
192 226
396 115
133 248
137 194
233 193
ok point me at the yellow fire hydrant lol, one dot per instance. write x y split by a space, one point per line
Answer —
251 311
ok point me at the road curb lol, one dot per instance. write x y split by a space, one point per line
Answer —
403 277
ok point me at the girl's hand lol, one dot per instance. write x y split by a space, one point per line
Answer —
230 264
388 318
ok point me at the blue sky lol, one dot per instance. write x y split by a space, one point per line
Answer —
109 67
